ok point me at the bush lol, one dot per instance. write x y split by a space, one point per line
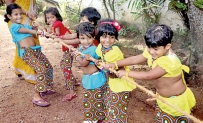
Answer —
128 29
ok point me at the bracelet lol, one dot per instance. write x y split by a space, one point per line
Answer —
36 33
77 57
116 65
33 26
127 73
42 34
62 37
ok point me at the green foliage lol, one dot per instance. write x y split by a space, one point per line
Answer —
62 8
181 37
198 3
148 10
3 7
128 29
71 14
39 6
115 7
177 6
181 32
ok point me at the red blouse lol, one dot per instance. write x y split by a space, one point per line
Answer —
63 31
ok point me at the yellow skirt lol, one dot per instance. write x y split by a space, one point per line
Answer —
184 102
20 66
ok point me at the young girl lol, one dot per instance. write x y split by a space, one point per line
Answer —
88 14
167 71
118 90
30 53
29 8
93 79
54 19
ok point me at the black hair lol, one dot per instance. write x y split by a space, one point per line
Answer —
85 28
92 14
107 28
53 11
9 10
158 35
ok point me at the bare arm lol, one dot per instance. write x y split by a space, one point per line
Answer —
73 41
35 6
70 36
57 31
155 73
132 60
24 30
82 61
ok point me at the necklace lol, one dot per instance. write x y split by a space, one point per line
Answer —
105 50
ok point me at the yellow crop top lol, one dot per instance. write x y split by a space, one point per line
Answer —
115 84
170 63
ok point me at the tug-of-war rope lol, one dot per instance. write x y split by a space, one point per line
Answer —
155 96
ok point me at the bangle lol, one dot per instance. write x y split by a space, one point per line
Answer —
42 34
127 73
61 37
33 25
116 65
77 57
36 33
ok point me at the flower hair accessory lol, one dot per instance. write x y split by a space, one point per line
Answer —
115 24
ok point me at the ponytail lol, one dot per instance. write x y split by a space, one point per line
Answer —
6 18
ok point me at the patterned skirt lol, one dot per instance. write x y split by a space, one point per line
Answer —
162 117
116 106
93 104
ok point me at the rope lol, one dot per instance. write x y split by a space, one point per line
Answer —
143 89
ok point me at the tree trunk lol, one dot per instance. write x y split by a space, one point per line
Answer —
107 10
112 7
196 33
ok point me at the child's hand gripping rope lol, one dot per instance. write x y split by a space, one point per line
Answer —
124 74
155 96
43 31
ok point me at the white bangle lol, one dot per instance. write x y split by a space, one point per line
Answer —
76 58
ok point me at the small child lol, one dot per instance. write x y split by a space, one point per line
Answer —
118 90
167 70
89 14
53 18
93 79
31 53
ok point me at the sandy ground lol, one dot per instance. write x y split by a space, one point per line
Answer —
16 95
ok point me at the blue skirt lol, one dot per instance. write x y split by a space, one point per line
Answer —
95 80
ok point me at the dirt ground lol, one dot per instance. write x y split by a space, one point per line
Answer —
16 95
